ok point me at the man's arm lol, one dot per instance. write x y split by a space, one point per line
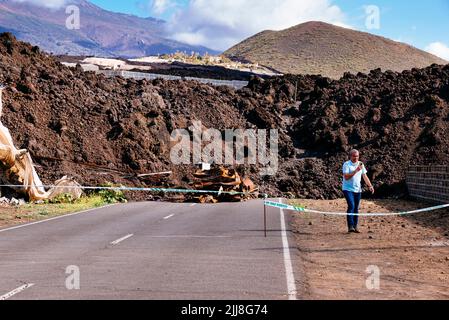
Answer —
368 182
349 176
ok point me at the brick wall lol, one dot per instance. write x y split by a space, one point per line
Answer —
429 183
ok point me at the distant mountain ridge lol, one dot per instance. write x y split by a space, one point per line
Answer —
321 48
102 32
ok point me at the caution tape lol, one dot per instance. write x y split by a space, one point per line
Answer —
303 209
123 188
265 196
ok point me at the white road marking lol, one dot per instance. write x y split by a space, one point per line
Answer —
291 285
121 239
193 204
16 291
55 218
189 236
168 217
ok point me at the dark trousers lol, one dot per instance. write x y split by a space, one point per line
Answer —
353 199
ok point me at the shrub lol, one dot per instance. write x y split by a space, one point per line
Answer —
62 198
112 196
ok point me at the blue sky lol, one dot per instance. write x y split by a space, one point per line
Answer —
141 8
415 22
419 23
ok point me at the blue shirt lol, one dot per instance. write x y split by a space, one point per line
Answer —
354 184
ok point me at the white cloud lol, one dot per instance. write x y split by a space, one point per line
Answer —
406 40
343 25
439 49
52 4
220 24
159 7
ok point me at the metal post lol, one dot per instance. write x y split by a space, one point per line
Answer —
265 218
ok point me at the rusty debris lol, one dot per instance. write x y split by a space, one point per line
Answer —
225 181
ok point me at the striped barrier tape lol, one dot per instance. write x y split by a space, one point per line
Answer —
265 196
303 209
122 188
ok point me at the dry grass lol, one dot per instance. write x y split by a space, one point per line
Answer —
10 216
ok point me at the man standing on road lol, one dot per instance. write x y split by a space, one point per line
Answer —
353 171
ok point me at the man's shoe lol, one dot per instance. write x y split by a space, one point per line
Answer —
351 230
356 230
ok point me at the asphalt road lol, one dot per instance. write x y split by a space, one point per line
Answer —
152 250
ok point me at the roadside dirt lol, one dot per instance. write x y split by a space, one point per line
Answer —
412 252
